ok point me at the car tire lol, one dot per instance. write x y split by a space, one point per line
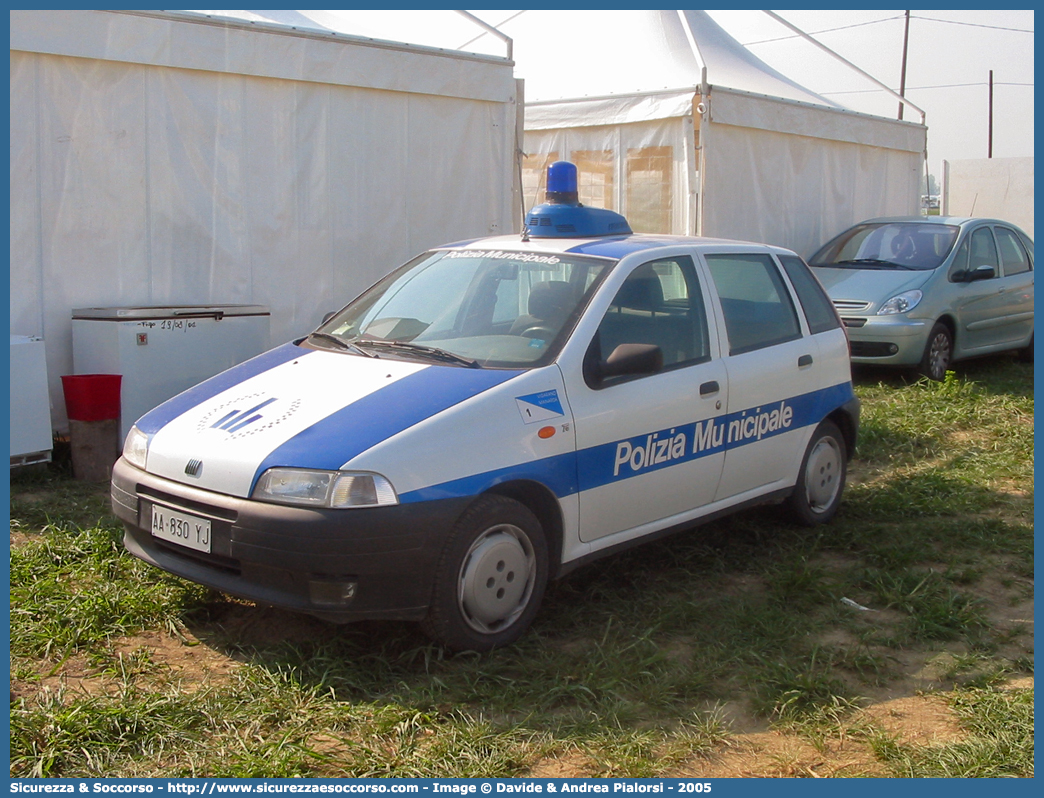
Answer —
490 578
1026 353
938 353
821 481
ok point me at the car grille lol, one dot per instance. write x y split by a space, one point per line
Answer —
851 305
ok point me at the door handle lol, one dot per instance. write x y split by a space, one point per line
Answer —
709 388
804 360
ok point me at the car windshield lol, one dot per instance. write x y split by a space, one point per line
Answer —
889 245
476 308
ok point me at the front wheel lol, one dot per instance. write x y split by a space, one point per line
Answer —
938 353
821 481
490 578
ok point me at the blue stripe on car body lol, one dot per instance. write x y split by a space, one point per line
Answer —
340 437
594 467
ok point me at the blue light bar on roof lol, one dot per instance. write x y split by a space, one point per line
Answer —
562 216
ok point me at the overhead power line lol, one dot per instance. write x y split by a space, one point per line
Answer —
925 88
826 30
970 24
889 19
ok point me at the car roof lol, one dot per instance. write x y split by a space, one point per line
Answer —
615 247
940 220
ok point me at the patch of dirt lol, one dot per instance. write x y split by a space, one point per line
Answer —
775 755
566 766
183 661
917 720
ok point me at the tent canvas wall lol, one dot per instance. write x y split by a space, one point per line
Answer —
164 158
684 131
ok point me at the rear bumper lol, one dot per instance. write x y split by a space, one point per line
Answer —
339 565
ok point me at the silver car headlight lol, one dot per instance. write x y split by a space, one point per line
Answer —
334 489
136 448
900 303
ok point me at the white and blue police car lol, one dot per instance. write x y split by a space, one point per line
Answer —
492 415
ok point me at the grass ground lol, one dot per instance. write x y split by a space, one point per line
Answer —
897 641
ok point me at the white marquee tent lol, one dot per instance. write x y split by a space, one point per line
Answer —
681 129
674 123
166 158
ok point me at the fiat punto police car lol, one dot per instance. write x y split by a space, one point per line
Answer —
494 414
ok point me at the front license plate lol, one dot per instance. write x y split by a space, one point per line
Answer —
182 529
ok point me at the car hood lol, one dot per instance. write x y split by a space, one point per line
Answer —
300 408
868 285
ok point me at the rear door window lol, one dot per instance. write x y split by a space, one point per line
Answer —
757 306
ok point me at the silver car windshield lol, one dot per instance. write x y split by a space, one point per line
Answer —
889 245
477 308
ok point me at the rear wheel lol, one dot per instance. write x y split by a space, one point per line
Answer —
938 353
817 494
490 578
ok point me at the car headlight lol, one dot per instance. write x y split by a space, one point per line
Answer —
335 489
136 448
900 303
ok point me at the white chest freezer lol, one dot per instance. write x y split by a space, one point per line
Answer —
30 405
162 351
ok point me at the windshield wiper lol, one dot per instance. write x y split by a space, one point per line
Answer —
889 264
426 351
348 346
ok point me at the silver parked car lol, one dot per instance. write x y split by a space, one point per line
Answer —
922 292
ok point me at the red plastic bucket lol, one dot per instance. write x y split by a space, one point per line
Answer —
92 397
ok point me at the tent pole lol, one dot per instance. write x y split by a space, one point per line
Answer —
490 29
902 72
989 145
846 62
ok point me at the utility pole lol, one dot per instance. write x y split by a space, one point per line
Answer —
902 74
989 146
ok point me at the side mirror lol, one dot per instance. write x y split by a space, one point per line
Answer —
984 272
633 359
329 315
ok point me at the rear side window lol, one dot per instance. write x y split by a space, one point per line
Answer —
819 310
757 306
1013 254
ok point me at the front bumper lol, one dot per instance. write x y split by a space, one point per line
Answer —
887 340
339 565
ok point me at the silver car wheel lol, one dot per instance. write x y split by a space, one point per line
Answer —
496 578
939 355
823 474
